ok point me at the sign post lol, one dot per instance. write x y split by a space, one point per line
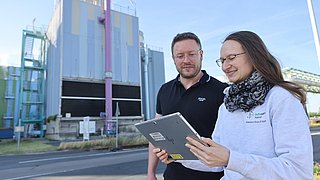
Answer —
117 123
19 129
86 134
87 127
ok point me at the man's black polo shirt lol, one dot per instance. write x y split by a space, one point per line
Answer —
199 105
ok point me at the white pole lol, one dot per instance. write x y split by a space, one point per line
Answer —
19 133
117 122
314 29
146 83
117 126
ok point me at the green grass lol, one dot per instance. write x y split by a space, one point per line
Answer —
36 145
316 171
106 143
26 146
93 144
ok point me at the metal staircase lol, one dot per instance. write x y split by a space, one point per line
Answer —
32 83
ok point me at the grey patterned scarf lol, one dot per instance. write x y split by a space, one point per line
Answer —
247 94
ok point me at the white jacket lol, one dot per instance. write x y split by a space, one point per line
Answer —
272 141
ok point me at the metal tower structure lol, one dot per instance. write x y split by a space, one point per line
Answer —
310 81
32 83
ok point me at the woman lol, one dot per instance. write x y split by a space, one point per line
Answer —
262 129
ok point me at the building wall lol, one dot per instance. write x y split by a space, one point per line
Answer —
125 48
9 96
76 54
3 107
156 78
54 62
83 42
83 38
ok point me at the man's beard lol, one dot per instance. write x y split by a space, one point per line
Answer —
189 76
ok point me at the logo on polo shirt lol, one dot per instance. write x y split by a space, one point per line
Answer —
256 117
201 99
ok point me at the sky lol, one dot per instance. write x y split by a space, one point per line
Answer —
284 26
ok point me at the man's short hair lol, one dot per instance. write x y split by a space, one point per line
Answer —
185 36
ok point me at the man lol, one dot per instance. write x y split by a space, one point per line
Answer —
193 93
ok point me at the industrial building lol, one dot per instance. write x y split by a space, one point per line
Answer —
91 61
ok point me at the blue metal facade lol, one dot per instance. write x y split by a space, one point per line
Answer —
76 49
75 54
156 78
9 100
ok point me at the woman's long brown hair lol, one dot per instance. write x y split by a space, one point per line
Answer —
265 63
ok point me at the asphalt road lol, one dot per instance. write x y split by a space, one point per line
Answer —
315 132
124 164
70 165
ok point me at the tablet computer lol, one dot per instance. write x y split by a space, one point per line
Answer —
169 133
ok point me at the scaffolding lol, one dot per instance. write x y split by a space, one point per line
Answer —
32 83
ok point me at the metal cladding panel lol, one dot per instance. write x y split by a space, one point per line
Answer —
157 70
67 16
83 43
69 55
3 107
54 59
6 133
83 54
125 48
156 78
53 81
9 96
134 63
75 17
98 51
90 55
116 54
